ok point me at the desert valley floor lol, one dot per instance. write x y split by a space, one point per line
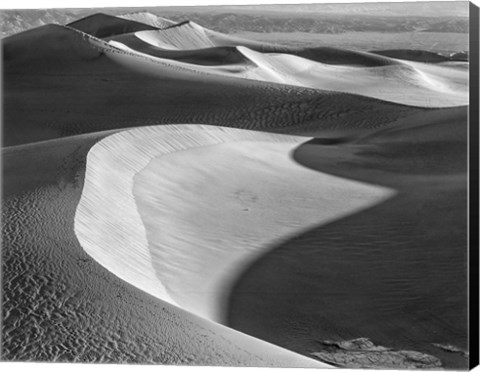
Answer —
176 195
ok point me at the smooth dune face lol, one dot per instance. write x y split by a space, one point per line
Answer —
60 305
104 25
180 211
404 82
410 83
193 233
149 19
101 87
187 36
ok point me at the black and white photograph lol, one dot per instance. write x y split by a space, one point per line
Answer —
245 185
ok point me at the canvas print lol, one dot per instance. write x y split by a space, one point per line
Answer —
257 185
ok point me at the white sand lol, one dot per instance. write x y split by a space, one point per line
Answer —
191 35
405 82
60 305
149 19
185 37
180 211
410 83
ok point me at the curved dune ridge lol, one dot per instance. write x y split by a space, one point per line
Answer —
187 35
149 19
60 305
208 169
64 82
104 25
150 208
404 82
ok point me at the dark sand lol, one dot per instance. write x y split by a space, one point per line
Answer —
395 273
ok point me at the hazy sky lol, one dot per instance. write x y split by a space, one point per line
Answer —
436 8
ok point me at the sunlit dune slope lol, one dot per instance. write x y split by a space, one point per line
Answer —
184 35
205 196
103 25
79 84
189 35
149 19
176 244
411 83
58 304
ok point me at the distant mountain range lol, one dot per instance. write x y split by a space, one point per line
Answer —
230 21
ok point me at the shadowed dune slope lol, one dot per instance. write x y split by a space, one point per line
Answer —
413 55
50 47
319 54
395 273
176 244
210 56
60 305
103 25
411 83
46 99
189 35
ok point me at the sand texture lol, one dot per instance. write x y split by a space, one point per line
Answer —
175 195
183 231
60 305
98 86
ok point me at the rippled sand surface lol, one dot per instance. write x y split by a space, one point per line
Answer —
182 196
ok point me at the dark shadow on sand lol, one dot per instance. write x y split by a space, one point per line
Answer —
395 273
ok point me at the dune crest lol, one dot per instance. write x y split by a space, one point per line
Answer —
148 182
408 83
189 46
60 305
149 19
103 25
185 35
160 200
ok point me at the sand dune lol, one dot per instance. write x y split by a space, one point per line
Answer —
198 251
149 19
293 240
400 264
410 83
104 25
60 305
205 56
413 55
186 35
189 35
51 46
90 85
322 54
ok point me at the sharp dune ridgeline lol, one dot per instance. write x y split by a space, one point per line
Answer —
177 195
